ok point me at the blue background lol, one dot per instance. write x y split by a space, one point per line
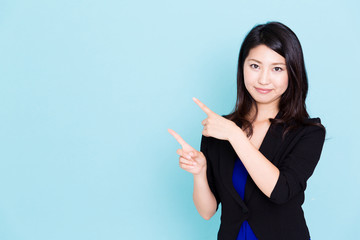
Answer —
88 90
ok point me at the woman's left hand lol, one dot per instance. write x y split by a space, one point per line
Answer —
215 125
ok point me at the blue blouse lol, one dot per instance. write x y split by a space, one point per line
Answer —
239 180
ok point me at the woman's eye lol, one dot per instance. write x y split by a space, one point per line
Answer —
254 66
278 69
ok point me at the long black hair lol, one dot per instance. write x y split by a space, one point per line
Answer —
282 40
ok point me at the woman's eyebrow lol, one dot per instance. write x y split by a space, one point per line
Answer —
280 63
251 59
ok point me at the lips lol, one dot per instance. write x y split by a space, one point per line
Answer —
263 90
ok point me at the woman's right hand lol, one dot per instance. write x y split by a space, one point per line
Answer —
190 159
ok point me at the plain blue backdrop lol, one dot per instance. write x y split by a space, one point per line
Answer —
88 90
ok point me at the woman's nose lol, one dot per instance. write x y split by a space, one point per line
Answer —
264 78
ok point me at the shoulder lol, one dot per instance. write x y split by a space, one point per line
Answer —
293 132
310 128
306 125
317 119
211 141
312 120
314 124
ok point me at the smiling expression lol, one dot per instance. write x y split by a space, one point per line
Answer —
265 75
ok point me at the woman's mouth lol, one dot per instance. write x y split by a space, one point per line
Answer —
263 90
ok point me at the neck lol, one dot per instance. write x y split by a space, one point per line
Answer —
264 112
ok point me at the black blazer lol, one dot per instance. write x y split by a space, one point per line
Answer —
280 216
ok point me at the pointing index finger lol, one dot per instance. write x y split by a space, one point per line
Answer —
203 106
177 137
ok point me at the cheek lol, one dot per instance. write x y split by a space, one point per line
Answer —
248 78
282 84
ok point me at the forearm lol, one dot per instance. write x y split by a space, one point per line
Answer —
262 171
204 199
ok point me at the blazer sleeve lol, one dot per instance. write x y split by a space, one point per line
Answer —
299 165
209 169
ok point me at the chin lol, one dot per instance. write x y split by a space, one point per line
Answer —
266 101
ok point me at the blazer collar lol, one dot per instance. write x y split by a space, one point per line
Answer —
228 156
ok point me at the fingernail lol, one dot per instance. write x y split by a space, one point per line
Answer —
191 154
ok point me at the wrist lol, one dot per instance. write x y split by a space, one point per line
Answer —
236 133
201 174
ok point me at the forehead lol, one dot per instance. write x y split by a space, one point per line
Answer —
264 54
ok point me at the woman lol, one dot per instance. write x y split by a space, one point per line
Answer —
256 161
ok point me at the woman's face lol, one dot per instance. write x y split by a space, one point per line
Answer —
265 75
